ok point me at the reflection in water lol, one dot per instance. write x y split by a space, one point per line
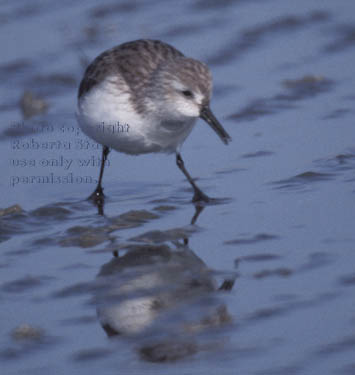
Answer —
163 296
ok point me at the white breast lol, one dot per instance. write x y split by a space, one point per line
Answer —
106 115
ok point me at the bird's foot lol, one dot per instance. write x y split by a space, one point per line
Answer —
227 284
199 196
98 196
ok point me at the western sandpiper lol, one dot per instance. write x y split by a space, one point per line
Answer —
145 96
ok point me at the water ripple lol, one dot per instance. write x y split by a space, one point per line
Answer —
294 91
244 240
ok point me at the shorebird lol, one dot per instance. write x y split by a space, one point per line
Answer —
143 97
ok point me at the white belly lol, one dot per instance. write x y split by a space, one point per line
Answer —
107 116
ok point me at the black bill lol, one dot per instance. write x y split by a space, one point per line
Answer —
207 115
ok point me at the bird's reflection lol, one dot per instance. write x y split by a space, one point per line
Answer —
163 295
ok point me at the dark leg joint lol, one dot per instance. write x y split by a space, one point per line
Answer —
198 194
98 196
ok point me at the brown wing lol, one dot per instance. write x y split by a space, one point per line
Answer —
134 61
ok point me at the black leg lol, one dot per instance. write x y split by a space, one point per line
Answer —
198 194
198 209
98 195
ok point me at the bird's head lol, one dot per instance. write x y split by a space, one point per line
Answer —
183 89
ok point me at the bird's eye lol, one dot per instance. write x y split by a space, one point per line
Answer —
187 93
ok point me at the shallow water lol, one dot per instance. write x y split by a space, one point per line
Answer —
282 230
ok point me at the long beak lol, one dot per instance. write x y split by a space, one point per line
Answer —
207 115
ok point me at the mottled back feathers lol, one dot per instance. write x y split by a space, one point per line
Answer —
133 61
